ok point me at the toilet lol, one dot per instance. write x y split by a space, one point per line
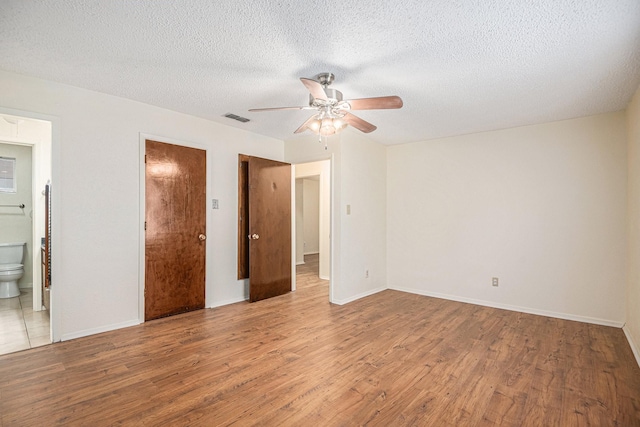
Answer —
11 268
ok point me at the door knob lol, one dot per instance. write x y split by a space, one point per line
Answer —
253 237
202 237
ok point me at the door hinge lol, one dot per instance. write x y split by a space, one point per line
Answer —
145 226
145 158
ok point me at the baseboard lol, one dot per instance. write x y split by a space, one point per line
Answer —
324 277
565 316
87 332
227 302
357 297
300 263
632 344
311 253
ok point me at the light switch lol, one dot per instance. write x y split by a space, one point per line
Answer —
214 203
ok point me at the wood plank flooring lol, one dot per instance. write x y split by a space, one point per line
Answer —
391 359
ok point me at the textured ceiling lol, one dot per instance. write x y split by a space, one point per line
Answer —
460 66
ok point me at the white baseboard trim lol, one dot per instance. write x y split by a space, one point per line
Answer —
311 253
357 297
227 302
509 307
632 344
87 332
324 278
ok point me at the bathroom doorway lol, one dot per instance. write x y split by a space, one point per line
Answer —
27 142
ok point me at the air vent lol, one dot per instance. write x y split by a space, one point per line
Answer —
236 117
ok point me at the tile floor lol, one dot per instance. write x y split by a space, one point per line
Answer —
22 328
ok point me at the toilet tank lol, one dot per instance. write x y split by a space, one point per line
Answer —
11 253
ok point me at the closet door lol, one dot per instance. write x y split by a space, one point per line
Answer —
175 220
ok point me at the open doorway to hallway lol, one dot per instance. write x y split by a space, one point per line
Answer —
312 236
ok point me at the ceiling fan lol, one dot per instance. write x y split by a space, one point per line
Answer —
334 113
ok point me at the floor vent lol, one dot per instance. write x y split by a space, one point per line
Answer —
236 117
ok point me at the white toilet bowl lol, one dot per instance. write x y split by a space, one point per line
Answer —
9 276
11 269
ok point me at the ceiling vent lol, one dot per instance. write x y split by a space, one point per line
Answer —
236 117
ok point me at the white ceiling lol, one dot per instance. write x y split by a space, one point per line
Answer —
460 66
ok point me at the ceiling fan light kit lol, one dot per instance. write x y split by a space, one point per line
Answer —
333 113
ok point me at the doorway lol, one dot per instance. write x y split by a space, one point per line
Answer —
23 215
313 224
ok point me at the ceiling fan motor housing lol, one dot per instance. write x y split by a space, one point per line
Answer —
333 97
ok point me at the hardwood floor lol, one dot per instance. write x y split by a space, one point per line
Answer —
307 273
390 359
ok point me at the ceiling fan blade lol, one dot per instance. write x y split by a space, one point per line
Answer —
281 108
316 89
379 103
358 123
305 125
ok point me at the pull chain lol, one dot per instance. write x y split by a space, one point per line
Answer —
325 140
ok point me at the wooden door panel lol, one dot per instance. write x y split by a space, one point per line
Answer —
270 220
243 217
175 217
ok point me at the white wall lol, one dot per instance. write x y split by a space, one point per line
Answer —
359 240
632 327
311 208
15 223
364 230
97 164
543 208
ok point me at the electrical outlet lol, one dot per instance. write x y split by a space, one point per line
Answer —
366 274
348 209
214 203
494 281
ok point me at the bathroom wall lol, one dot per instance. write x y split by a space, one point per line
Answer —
16 223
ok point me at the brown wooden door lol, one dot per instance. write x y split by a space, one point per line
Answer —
269 228
175 199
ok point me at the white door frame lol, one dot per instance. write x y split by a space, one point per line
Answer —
38 157
331 160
